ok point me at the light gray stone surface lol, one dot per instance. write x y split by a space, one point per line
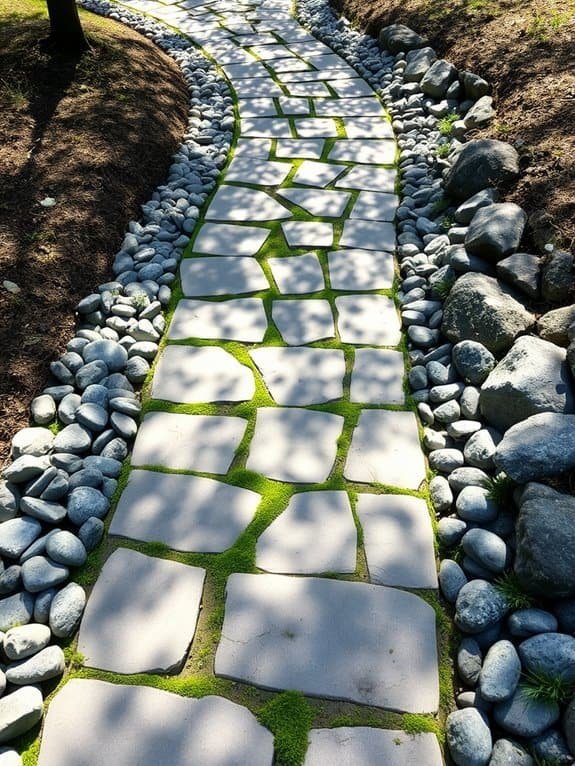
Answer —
303 321
374 206
187 513
364 746
149 726
231 203
379 151
229 239
377 377
369 178
242 319
329 204
19 712
141 615
221 275
297 274
368 235
308 233
283 632
367 319
356 269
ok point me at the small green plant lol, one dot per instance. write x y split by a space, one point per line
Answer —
415 723
442 150
500 490
445 124
510 587
446 223
289 717
540 687
544 25
442 288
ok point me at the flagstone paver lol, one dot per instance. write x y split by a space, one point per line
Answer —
369 178
377 377
319 174
376 151
242 319
361 270
229 239
296 148
374 206
365 746
221 275
303 321
320 202
308 233
368 319
258 172
231 202
297 274
368 235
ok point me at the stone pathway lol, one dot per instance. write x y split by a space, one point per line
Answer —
281 360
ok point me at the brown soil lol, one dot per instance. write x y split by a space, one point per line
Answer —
95 133
525 49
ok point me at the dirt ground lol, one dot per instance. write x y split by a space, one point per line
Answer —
96 134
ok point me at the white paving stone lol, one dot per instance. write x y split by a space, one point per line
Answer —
245 70
257 107
327 74
229 239
355 88
308 233
97 723
330 60
240 203
300 148
319 202
242 319
310 48
141 614
297 274
328 638
316 533
264 127
294 105
374 206
259 172
205 443
368 235
221 275
367 127
375 152
303 321
269 52
364 746
369 178
190 374
398 540
368 320
377 377
315 127
294 445
289 65
348 107
308 89
360 270
254 147
187 513
317 174
385 449
301 376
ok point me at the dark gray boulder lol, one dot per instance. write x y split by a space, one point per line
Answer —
418 62
550 654
557 277
522 271
569 725
475 86
467 209
495 231
469 737
398 37
473 361
479 165
438 78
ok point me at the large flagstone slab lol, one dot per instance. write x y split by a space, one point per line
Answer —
190 374
205 443
297 274
294 445
377 376
317 174
253 88
364 746
308 233
316 533
300 148
374 152
261 173
330 638
242 319
348 107
229 239
187 513
374 206
398 540
300 376
95 723
314 127
368 235
303 321
355 269
241 203
355 88
263 127
253 147
221 275
295 105
308 89
319 202
141 614
368 319
385 448
367 127
369 178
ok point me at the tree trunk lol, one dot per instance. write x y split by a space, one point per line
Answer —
66 33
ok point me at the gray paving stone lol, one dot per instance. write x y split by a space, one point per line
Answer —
364 746
289 65
385 449
304 444
188 442
259 172
377 377
318 174
97 723
237 203
299 148
398 540
290 105
316 533
367 319
301 376
310 48
241 319
269 52
375 152
297 274
355 88
360 270
308 89
201 374
187 513
369 178
221 275
308 233
141 614
368 235
264 127
330 60
315 127
302 633
348 107
254 147
229 239
318 202
327 74
245 70
253 88
374 206
367 127
303 321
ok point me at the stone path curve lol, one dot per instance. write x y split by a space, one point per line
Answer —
282 361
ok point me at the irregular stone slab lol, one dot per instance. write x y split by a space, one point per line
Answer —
374 152
297 274
301 376
308 233
369 178
229 239
374 206
318 174
303 321
261 173
187 513
19 712
201 374
368 235
188 442
257 107
377 377
225 275
304 444
329 204
385 449
141 615
299 148
360 270
241 203
479 165
313 89
254 147
283 632
295 105
367 319
315 533
263 127
398 540
149 726
242 319
349 107
367 127
355 88
313 127
364 746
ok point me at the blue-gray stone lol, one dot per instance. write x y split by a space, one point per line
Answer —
48 663
109 487
473 504
500 672
25 468
72 360
66 461
525 717
126 405
124 425
486 548
62 373
549 654
58 487
39 484
35 441
565 613
137 369
469 660
451 579
495 231
475 571
96 394
84 502
450 530
66 610
86 477
65 548
10 580
9 500
43 510
102 439
479 605
108 351
446 460
92 416
551 747
106 466
508 753
467 477
529 622
67 408
58 392
118 380
117 449
16 610
469 737
38 546
74 438
480 448
39 573
89 304
473 361
42 605
91 532
93 372
17 534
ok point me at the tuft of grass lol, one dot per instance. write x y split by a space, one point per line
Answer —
510 587
443 287
416 723
442 150
541 687
500 490
445 124
289 717
544 24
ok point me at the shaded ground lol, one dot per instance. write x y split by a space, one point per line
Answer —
96 134
525 49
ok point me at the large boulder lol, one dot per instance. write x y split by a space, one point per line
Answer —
479 308
495 231
554 325
398 37
557 277
418 62
532 377
438 78
537 448
546 522
481 164
523 271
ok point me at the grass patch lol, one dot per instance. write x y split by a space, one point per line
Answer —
445 124
289 717
510 587
500 490
540 687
